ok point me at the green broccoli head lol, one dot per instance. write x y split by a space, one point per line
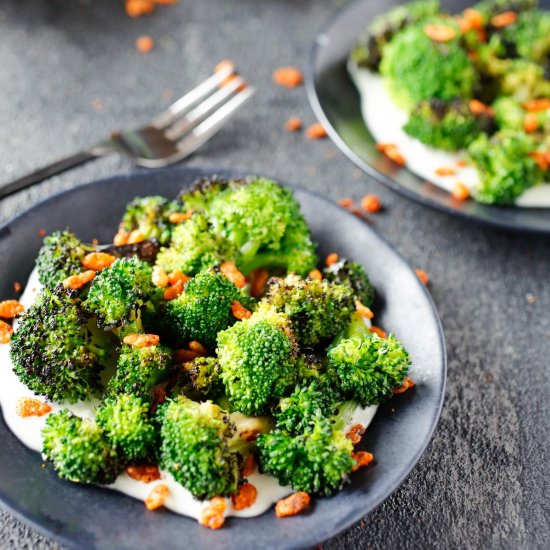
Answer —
204 307
203 377
368 52
194 447
150 216
257 358
78 449
353 275
369 368
317 310
489 8
446 125
139 370
53 350
206 190
127 426
523 80
419 68
505 166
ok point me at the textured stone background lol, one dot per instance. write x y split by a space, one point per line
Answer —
69 74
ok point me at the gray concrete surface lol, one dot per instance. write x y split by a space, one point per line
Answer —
69 74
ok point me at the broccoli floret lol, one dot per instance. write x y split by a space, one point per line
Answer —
489 8
139 370
418 68
203 377
194 447
257 357
449 126
509 113
523 80
368 52
205 190
53 350
204 308
149 216
368 368
127 426
529 36
317 310
78 449
505 167
353 275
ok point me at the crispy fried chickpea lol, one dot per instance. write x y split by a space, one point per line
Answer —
157 497
292 505
10 308
30 406
141 340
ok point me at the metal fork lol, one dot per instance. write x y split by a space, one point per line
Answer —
170 137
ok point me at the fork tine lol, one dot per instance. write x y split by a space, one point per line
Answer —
186 102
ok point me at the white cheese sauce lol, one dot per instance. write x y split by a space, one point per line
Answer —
28 431
385 121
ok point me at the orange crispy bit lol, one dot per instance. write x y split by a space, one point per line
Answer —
392 152
259 278
176 276
363 311
135 8
371 203
315 274
246 496
542 158
289 77
378 331
198 347
355 433
346 202
78 281
535 105
10 308
461 163
157 497
17 286
460 191
135 237
159 277
478 107
445 171
144 44
229 269
185 355
316 131
408 383
41 233
331 259
249 465
98 261
439 33
423 276
362 458
292 505
159 397
6 331
180 217
504 19
121 238
474 18
212 514
29 406
530 123
293 124
143 473
173 291
141 340
239 311
249 434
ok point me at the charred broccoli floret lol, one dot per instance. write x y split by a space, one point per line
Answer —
54 351
489 8
510 113
419 68
78 449
127 426
194 447
523 80
318 310
529 36
505 166
257 357
353 275
203 377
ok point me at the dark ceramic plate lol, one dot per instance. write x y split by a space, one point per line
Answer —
336 103
93 517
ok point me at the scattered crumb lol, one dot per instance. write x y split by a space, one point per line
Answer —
531 298
346 202
316 131
371 203
97 105
41 233
144 44
17 286
332 258
460 191
156 498
289 77
489 378
357 173
423 276
293 124
292 505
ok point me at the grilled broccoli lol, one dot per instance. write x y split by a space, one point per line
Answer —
489 8
257 358
418 68
505 167
510 113
204 308
202 377
317 310
523 80
368 368
54 351
78 449
139 370
351 274
126 424
368 52
194 447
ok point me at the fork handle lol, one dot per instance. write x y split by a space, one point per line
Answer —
47 171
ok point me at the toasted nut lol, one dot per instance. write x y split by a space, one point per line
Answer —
98 261
144 44
229 269
6 331
542 158
180 217
198 347
289 77
239 311
141 340
212 514
315 274
175 276
355 433
332 258
378 331
157 497
10 308
423 276
363 310
258 282
29 406
159 277
249 465
530 123
439 33
121 238
293 124
185 355
504 19
371 203
292 505
392 152
143 473
460 191
316 131
172 292
408 383
78 281
362 459
246 496
535 105
346 202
